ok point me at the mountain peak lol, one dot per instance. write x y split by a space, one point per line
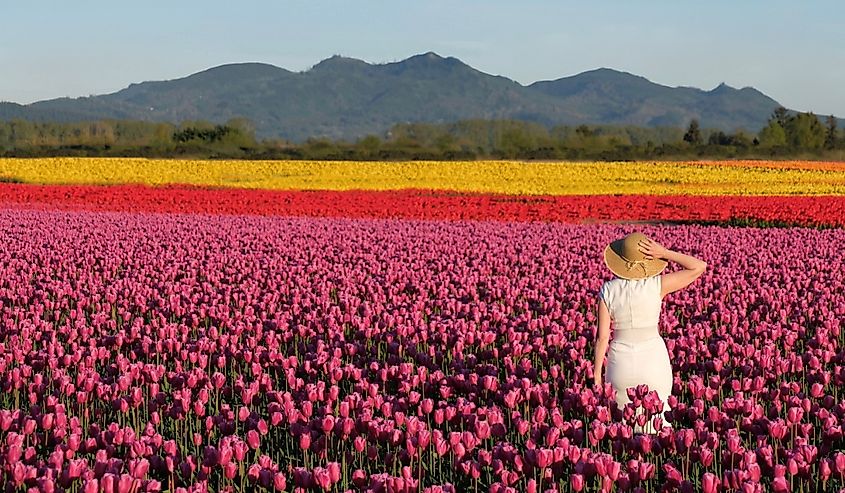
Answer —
429 59
339 62
243 68
601 74
609 71
722 88
221 74
429 55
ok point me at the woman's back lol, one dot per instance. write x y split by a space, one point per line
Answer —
634 306
638 355
631 303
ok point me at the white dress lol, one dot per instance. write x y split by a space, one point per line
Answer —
637 354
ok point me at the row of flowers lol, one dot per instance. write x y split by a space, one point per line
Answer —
784 164
501 177
426 204
149 352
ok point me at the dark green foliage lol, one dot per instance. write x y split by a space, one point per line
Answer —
216 134
780 116
739 139
831 138
693 135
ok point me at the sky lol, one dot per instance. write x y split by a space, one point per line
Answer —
792 51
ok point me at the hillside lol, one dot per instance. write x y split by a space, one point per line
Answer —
348 98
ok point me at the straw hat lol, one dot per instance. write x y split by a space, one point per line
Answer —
625 260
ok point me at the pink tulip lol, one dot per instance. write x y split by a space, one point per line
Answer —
359 478
792 466
279 482
754 473
91 486
839 461
777 429
126 483
780 485
253 439
328 423
824 469
109 483
794 414
239 450
577 482
304 441
253 473
230 470
647 471
334 471
18 473
544 458
140 468
709 482
322 478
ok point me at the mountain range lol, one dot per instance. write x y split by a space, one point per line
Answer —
347 98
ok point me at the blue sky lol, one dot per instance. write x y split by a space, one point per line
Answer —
792 51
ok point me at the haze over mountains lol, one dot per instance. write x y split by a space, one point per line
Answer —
348 98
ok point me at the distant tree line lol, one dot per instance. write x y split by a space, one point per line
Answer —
128 138
786 135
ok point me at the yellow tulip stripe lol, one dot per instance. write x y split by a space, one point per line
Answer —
816 165
509 177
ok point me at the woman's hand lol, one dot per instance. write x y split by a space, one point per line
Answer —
597 381
652 249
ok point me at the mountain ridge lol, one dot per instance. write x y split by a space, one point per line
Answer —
347 98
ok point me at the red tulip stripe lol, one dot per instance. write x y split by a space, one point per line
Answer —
424 204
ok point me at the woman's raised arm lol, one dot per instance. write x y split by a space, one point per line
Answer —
692 267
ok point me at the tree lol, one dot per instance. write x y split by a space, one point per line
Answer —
781 116
242 132
805 131
445 143
831 135
718 138
101 133
21 133
740 138
583 131
772 135
693 135
514 140
369 145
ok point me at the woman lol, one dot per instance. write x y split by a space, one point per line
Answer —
633 299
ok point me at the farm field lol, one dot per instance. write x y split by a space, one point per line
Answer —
396 327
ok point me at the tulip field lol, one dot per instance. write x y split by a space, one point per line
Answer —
405 327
